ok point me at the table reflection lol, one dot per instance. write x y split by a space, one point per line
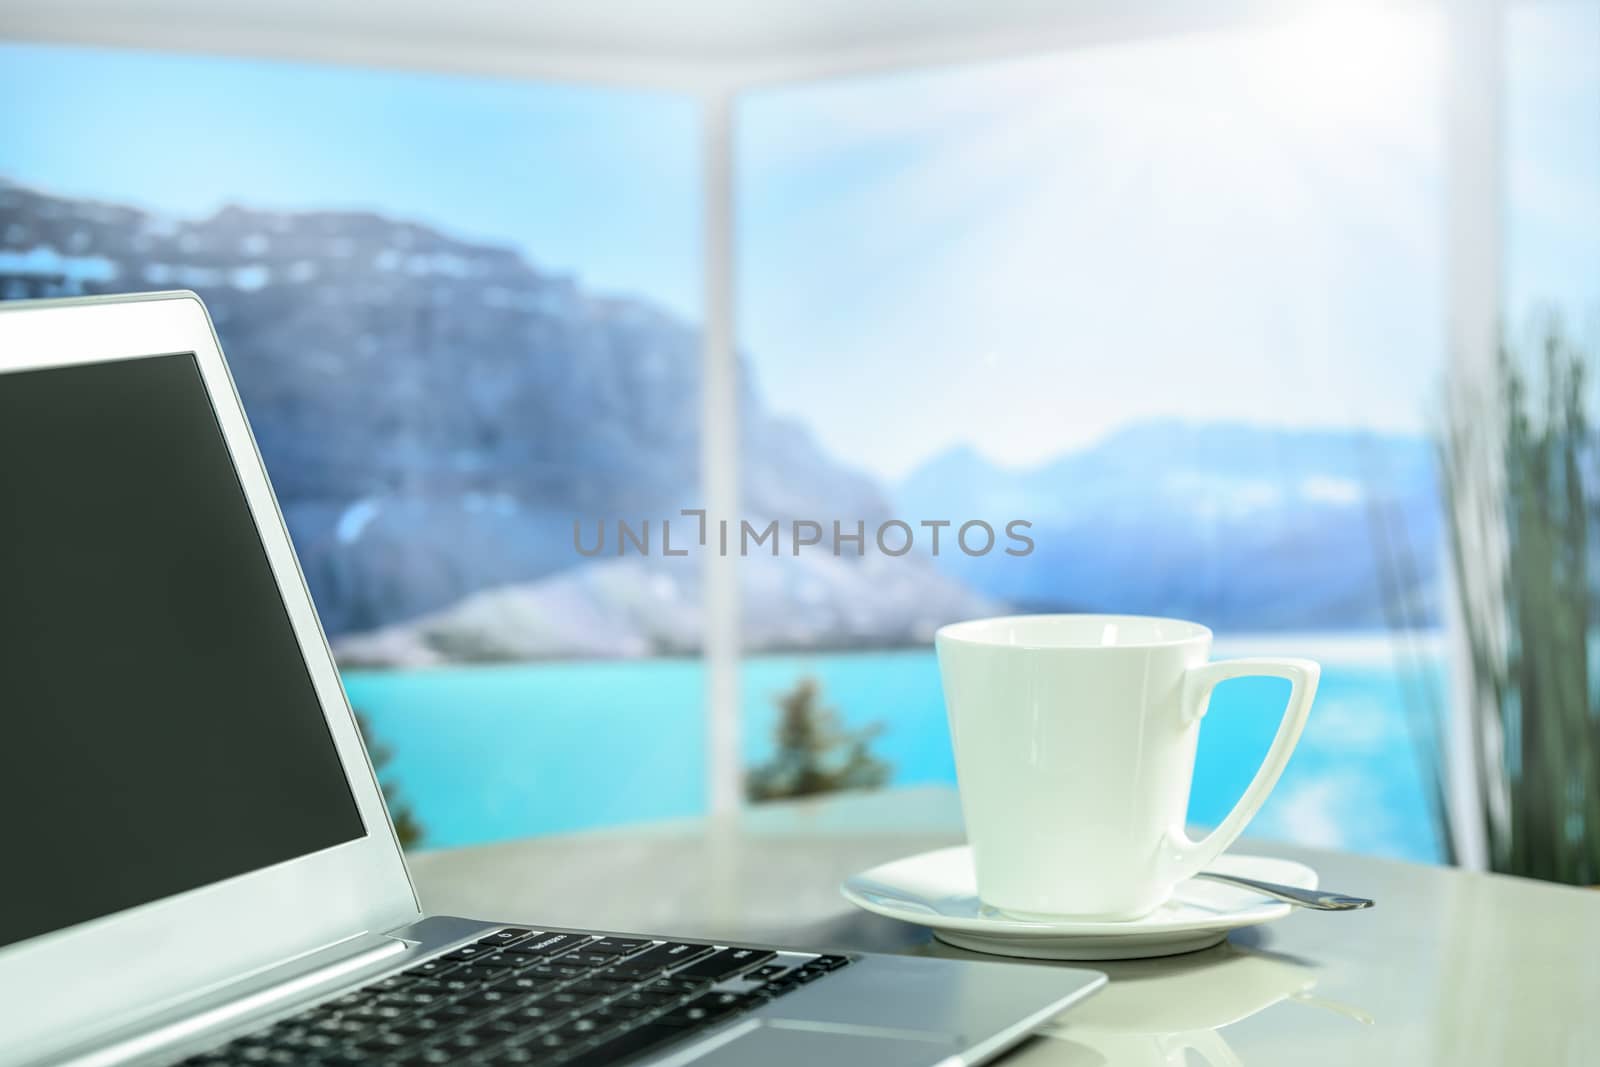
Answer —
1160 1011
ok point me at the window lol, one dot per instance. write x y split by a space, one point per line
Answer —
461 314
1176 304
1156 325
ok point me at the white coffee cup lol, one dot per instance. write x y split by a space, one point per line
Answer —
1074 739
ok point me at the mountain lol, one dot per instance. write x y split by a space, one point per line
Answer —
436 413
1244 527
639 607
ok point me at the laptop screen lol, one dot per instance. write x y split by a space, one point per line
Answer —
158 727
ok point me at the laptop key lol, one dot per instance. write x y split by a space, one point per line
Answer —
725 964
660 958
550 1041
526 983
539 1013
384 1042
572 998
393 982
436 986
630 1043
423 1027
512 1055
547 944
677 986
487 1000
469 952
642 1000
282 1036
585 1027
557 971
587 957
473 974
431 968
598 986
706 1009
611 1014
462 1044
618 946
448 1014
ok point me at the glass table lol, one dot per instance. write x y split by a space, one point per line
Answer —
1451 967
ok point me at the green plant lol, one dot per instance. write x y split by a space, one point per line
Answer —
1520 475
814 753
406 825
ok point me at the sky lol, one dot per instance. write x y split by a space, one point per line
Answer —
1552 238
1026 255
602 183
1020 256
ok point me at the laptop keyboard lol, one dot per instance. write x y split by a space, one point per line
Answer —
524 996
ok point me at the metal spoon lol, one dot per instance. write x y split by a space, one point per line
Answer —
1315 899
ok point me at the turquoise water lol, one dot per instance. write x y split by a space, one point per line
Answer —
490 752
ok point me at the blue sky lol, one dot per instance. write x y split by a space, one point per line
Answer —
1239 225
1025 255
600 182
1019 256
1553 159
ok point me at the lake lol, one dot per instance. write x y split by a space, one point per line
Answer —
483 753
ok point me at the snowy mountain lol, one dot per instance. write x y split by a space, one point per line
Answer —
434 413
1244 527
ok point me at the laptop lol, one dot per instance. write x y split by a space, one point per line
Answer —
198 866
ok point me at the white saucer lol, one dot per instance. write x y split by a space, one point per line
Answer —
938 889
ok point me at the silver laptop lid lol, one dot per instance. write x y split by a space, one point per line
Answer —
188 793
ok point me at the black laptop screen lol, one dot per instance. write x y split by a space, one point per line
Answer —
158 728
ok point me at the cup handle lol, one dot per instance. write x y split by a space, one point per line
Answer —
1184 857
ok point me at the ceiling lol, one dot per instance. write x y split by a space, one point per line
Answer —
688 44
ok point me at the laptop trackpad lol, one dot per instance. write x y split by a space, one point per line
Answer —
780 1042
